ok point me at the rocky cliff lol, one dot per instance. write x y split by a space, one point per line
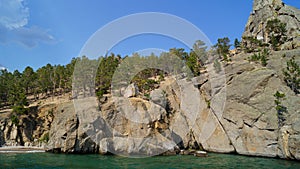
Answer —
247 124
228 112
30 129
265 10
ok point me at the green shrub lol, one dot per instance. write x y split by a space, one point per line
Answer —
281 110
100 93
161 77
253 44
277 32
15 120
208 103
292 75
19 109
260 56
237 43
254 57
45 138
147 95
222 47
50 112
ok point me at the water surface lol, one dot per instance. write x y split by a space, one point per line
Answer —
47 160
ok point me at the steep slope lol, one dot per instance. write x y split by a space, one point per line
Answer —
247 125
265 10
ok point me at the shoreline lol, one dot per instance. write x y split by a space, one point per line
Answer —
21 149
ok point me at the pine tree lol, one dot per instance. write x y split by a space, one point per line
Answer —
292 75
223 47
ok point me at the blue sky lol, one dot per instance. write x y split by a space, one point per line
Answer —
36 32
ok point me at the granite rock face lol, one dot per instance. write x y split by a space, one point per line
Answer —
157 96
124 126
131 91
31 130
246 124
265 10
193 118
232 111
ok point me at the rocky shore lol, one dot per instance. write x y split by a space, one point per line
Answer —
233 112
21 149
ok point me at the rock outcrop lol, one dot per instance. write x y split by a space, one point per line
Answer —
265 10
157 96
232 111
32 129
229 112
124 126
192 118
131 91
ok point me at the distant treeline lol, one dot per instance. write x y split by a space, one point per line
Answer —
17 88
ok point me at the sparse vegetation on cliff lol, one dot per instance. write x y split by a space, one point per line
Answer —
251 44
260 56
276 31
280 108
222 47
292 75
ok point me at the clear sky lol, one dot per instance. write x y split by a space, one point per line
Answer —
36 32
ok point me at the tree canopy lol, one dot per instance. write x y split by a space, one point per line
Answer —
94 76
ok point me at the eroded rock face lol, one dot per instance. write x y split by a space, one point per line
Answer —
32 128
124 126
264 10
2 140
131 91
137 147
250 118
247 125
157 96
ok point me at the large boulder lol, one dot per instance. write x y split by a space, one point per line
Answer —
157 96
137 147
131 91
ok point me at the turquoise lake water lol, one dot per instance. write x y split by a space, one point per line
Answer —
47 160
